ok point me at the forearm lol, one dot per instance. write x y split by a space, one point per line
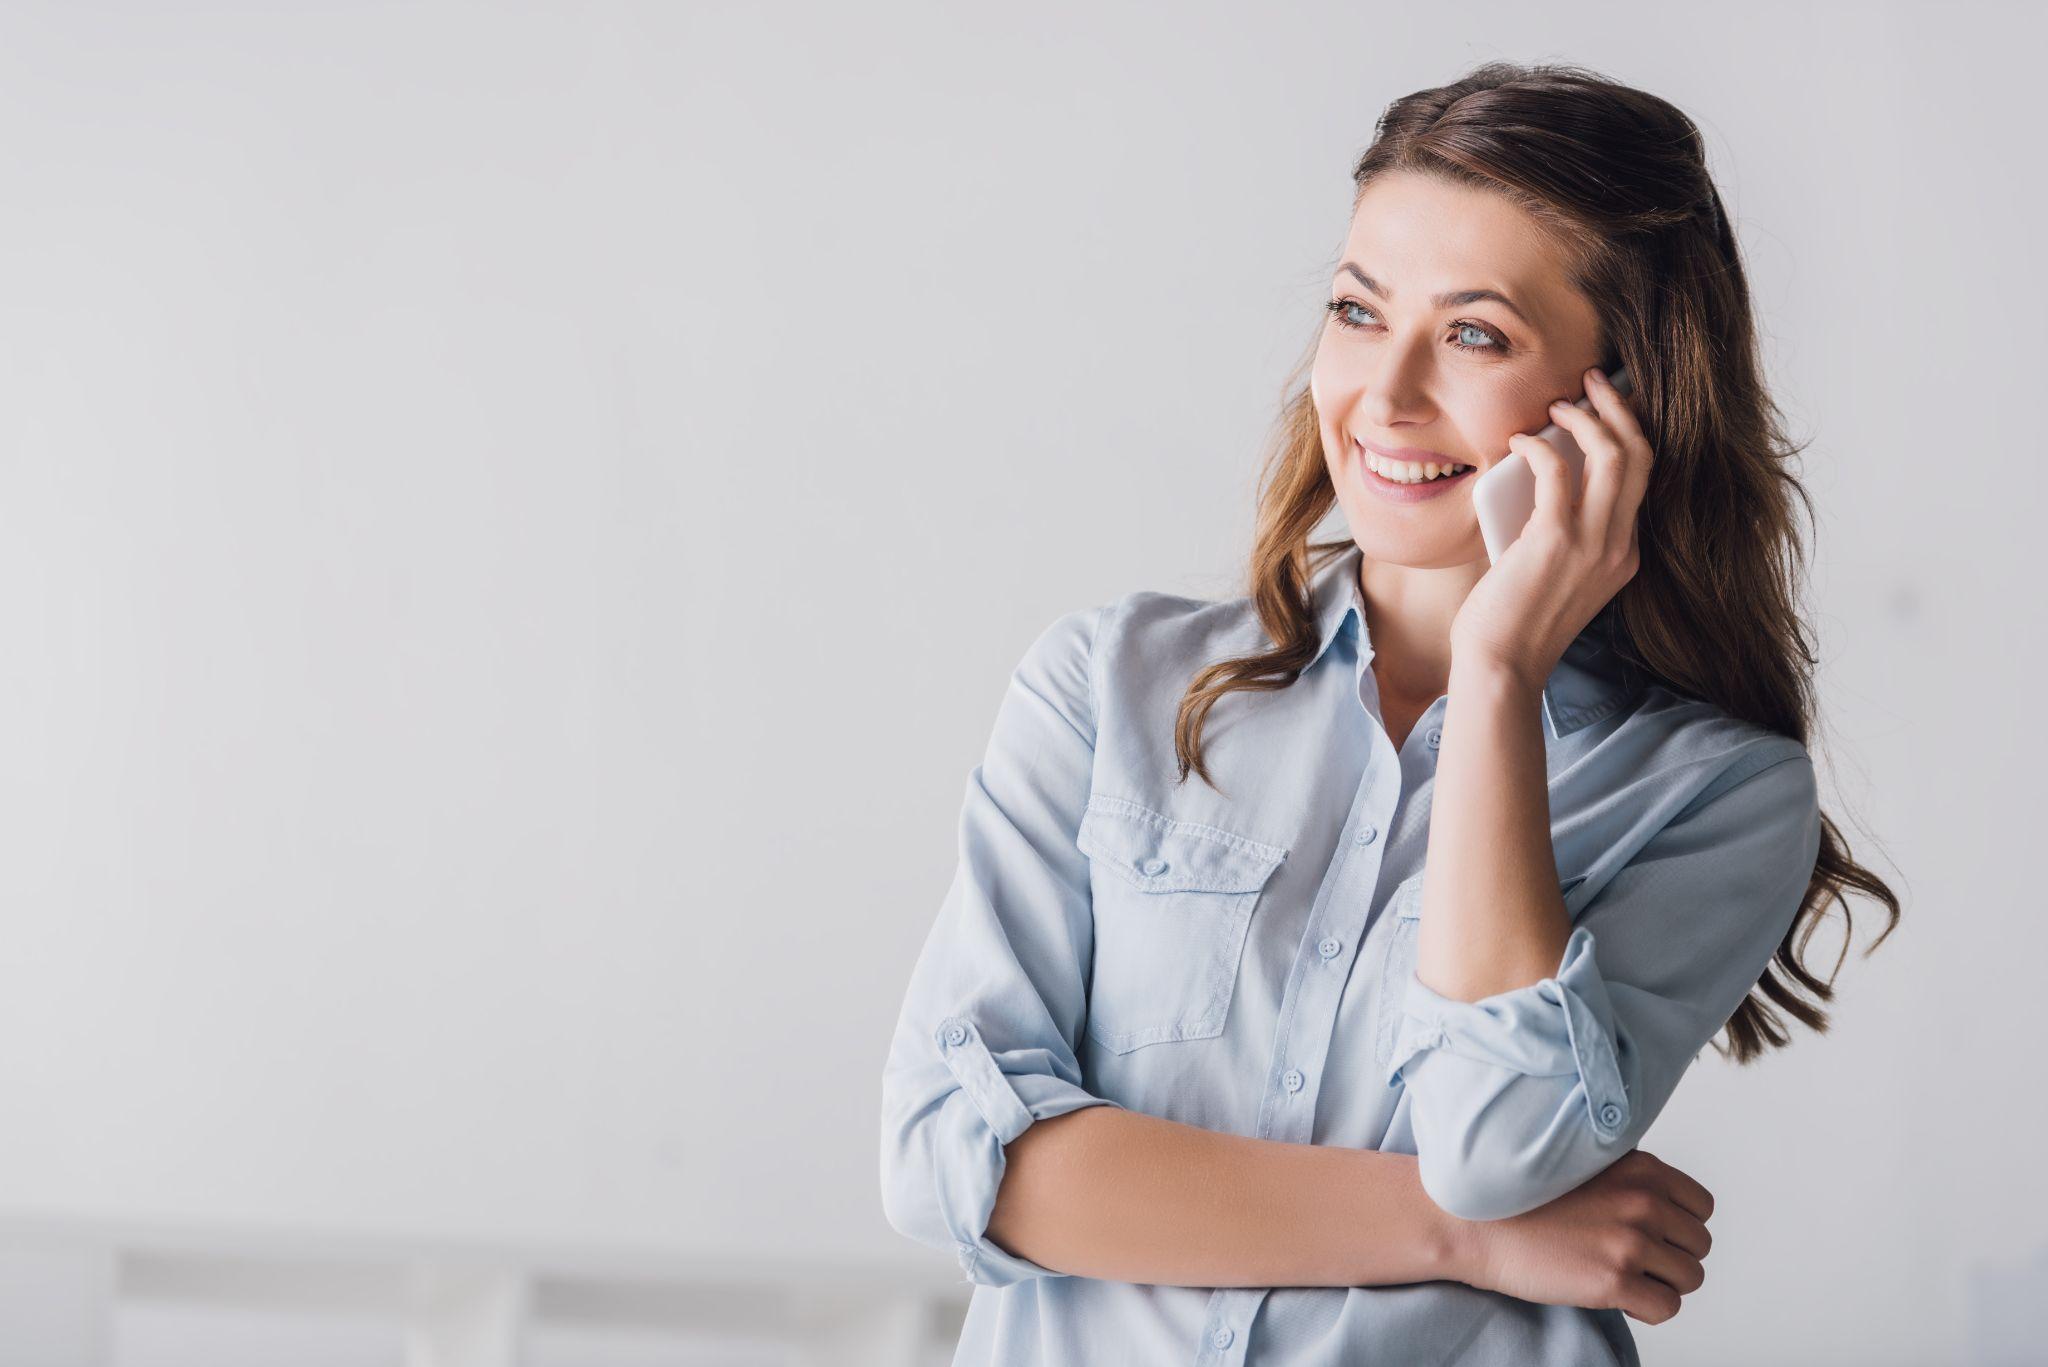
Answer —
1492 917
1124 1196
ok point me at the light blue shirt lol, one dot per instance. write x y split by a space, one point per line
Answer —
1244 960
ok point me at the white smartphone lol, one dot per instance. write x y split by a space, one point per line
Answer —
1505 496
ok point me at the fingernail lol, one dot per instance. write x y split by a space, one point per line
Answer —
1595 377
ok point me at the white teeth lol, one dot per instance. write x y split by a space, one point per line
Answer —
1408 471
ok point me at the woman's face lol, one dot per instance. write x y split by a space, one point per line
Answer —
1455 377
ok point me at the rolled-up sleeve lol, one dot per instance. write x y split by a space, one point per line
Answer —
985 1042
1522 1096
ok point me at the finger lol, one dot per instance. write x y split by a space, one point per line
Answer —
1553 478
1615 408
1605 467
1616 411
1687 1194
1683 1230
1674 1267
1649 1300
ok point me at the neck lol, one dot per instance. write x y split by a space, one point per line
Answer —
1409 613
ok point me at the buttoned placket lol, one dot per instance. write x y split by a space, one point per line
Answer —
1315 984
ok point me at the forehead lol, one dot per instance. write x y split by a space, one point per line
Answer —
1418 236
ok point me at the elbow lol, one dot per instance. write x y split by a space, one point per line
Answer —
911 1204
906 1214
1489 1182
911 1188
1471 1191
920 1203
940 1170
909 1167
1493 1142
944 1132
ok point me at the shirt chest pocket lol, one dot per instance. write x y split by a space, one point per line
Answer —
1173 905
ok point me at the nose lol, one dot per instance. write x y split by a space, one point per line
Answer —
1396 391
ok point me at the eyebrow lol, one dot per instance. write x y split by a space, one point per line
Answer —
1448 300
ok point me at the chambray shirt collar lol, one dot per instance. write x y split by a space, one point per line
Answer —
1590 681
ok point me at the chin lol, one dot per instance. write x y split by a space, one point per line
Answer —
1441 549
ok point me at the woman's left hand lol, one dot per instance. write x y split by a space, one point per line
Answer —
1571 558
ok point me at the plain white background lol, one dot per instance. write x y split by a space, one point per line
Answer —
517 518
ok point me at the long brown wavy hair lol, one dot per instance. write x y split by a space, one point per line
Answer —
1619 178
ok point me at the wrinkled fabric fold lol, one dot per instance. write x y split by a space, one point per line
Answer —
990 1109
1561 1027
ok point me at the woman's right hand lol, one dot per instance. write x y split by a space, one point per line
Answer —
1630 1239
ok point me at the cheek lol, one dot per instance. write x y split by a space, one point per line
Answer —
1521 407
1321 384
1493 419
1332 388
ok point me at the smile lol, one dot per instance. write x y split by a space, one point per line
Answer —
1408 471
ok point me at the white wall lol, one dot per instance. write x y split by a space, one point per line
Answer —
517 516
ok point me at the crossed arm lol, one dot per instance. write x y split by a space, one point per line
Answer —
1518 1097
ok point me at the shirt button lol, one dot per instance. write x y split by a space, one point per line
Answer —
1435 736
1368 834
1610 1115
1293 1079
1223 1338
956 1034
1154 865
1329 947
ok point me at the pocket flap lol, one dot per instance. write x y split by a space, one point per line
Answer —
1156 853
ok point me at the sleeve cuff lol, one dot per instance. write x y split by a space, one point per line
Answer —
1004 1105
1561 1026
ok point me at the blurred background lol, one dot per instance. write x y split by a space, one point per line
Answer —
518 517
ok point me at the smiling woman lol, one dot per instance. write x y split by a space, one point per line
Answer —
1343 1054
1412 351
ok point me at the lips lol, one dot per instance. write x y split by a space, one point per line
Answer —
1409 453
1399 492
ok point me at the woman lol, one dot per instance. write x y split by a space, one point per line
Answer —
1326 1110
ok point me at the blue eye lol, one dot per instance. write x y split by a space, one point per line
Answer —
1336 308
